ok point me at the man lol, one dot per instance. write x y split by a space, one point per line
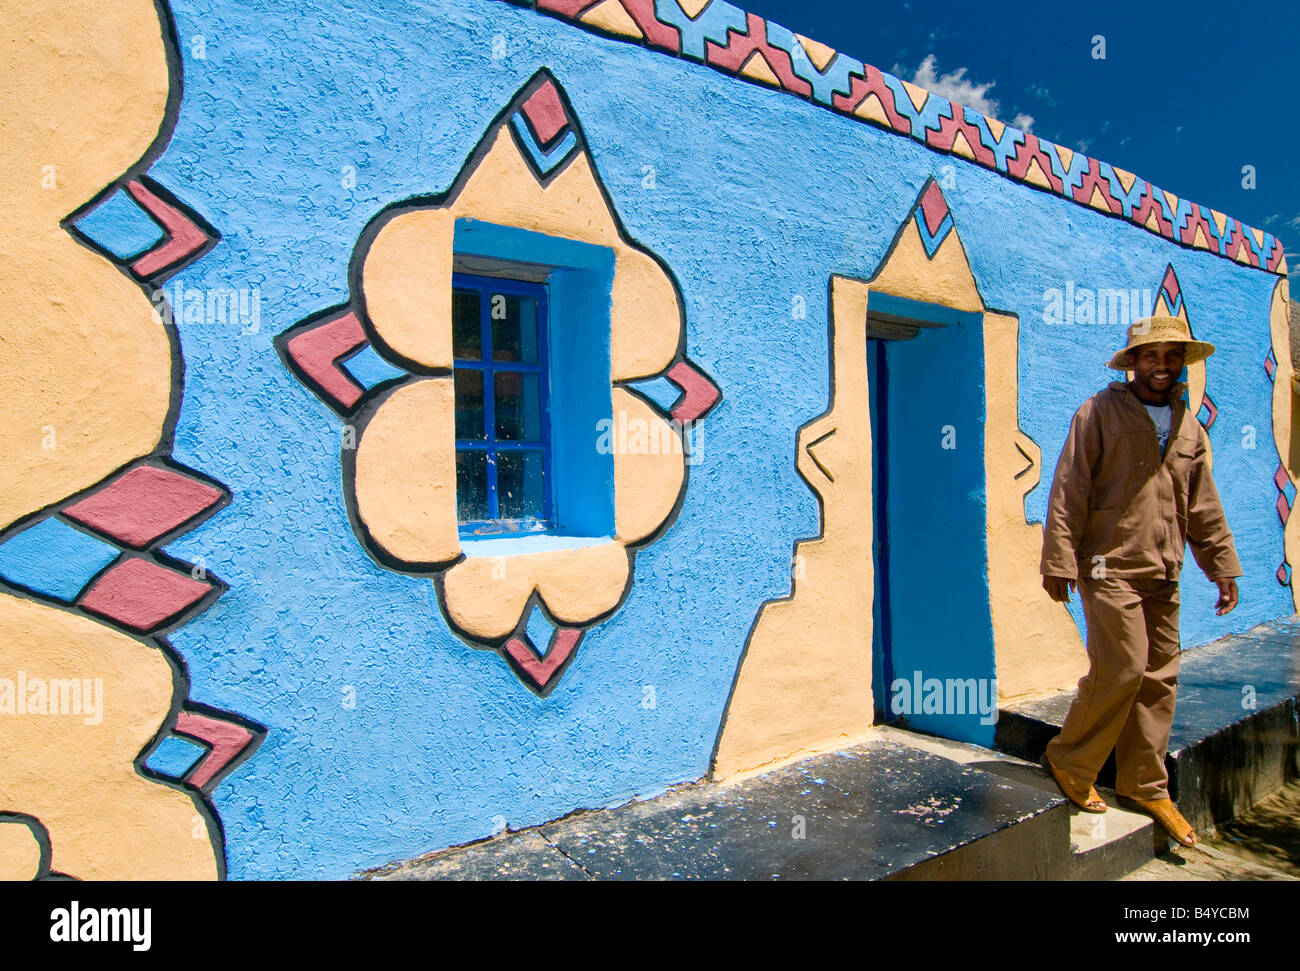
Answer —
1132 488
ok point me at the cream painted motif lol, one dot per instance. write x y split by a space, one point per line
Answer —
405 463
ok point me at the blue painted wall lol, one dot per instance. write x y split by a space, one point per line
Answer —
387 736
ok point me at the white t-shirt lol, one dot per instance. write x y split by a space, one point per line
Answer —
1161 415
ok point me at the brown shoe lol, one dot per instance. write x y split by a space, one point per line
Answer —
1085 799
1164 812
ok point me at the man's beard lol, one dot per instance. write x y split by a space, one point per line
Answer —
1149 384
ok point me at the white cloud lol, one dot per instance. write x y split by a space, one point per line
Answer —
1038 91
1294 222
955 86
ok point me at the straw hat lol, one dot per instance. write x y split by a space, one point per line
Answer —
1154 330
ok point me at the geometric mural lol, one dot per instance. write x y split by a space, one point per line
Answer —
761 52
494 335
91 495
383 362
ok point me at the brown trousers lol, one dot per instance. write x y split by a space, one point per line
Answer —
1126 700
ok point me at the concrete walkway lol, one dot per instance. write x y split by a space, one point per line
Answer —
1262 844
877 810
906 806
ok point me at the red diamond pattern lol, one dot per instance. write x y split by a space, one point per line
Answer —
143 505
141 595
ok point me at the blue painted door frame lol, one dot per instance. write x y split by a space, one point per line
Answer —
933 663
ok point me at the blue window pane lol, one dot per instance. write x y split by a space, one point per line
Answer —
521 485
518 407
514 328
503 455
470 421
466 325
472 487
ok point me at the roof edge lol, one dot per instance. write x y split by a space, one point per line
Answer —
749 48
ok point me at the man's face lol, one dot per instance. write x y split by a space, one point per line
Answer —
1157 366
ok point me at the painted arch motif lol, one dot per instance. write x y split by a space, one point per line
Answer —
1286 402
803 682
533 599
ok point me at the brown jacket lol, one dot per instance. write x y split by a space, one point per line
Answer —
1114 496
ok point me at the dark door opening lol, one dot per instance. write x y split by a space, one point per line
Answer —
932 638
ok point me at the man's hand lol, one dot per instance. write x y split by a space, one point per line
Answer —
1058 588
1227 595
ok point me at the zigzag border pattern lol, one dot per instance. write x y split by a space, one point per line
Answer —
745 46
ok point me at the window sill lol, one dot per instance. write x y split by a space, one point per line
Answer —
517 544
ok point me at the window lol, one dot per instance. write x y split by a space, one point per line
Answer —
503 451
531 370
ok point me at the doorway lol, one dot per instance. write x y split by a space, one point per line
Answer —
932 638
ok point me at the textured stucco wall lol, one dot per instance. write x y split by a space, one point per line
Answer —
388 736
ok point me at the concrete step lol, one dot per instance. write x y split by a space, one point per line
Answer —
1103 846
883 809
1236 734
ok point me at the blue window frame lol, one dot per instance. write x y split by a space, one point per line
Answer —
502 387
571 283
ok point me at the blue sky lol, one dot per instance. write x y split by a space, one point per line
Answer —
1189 92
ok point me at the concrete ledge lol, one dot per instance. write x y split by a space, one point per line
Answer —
1103 846
1035 849
1223 776
877 810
